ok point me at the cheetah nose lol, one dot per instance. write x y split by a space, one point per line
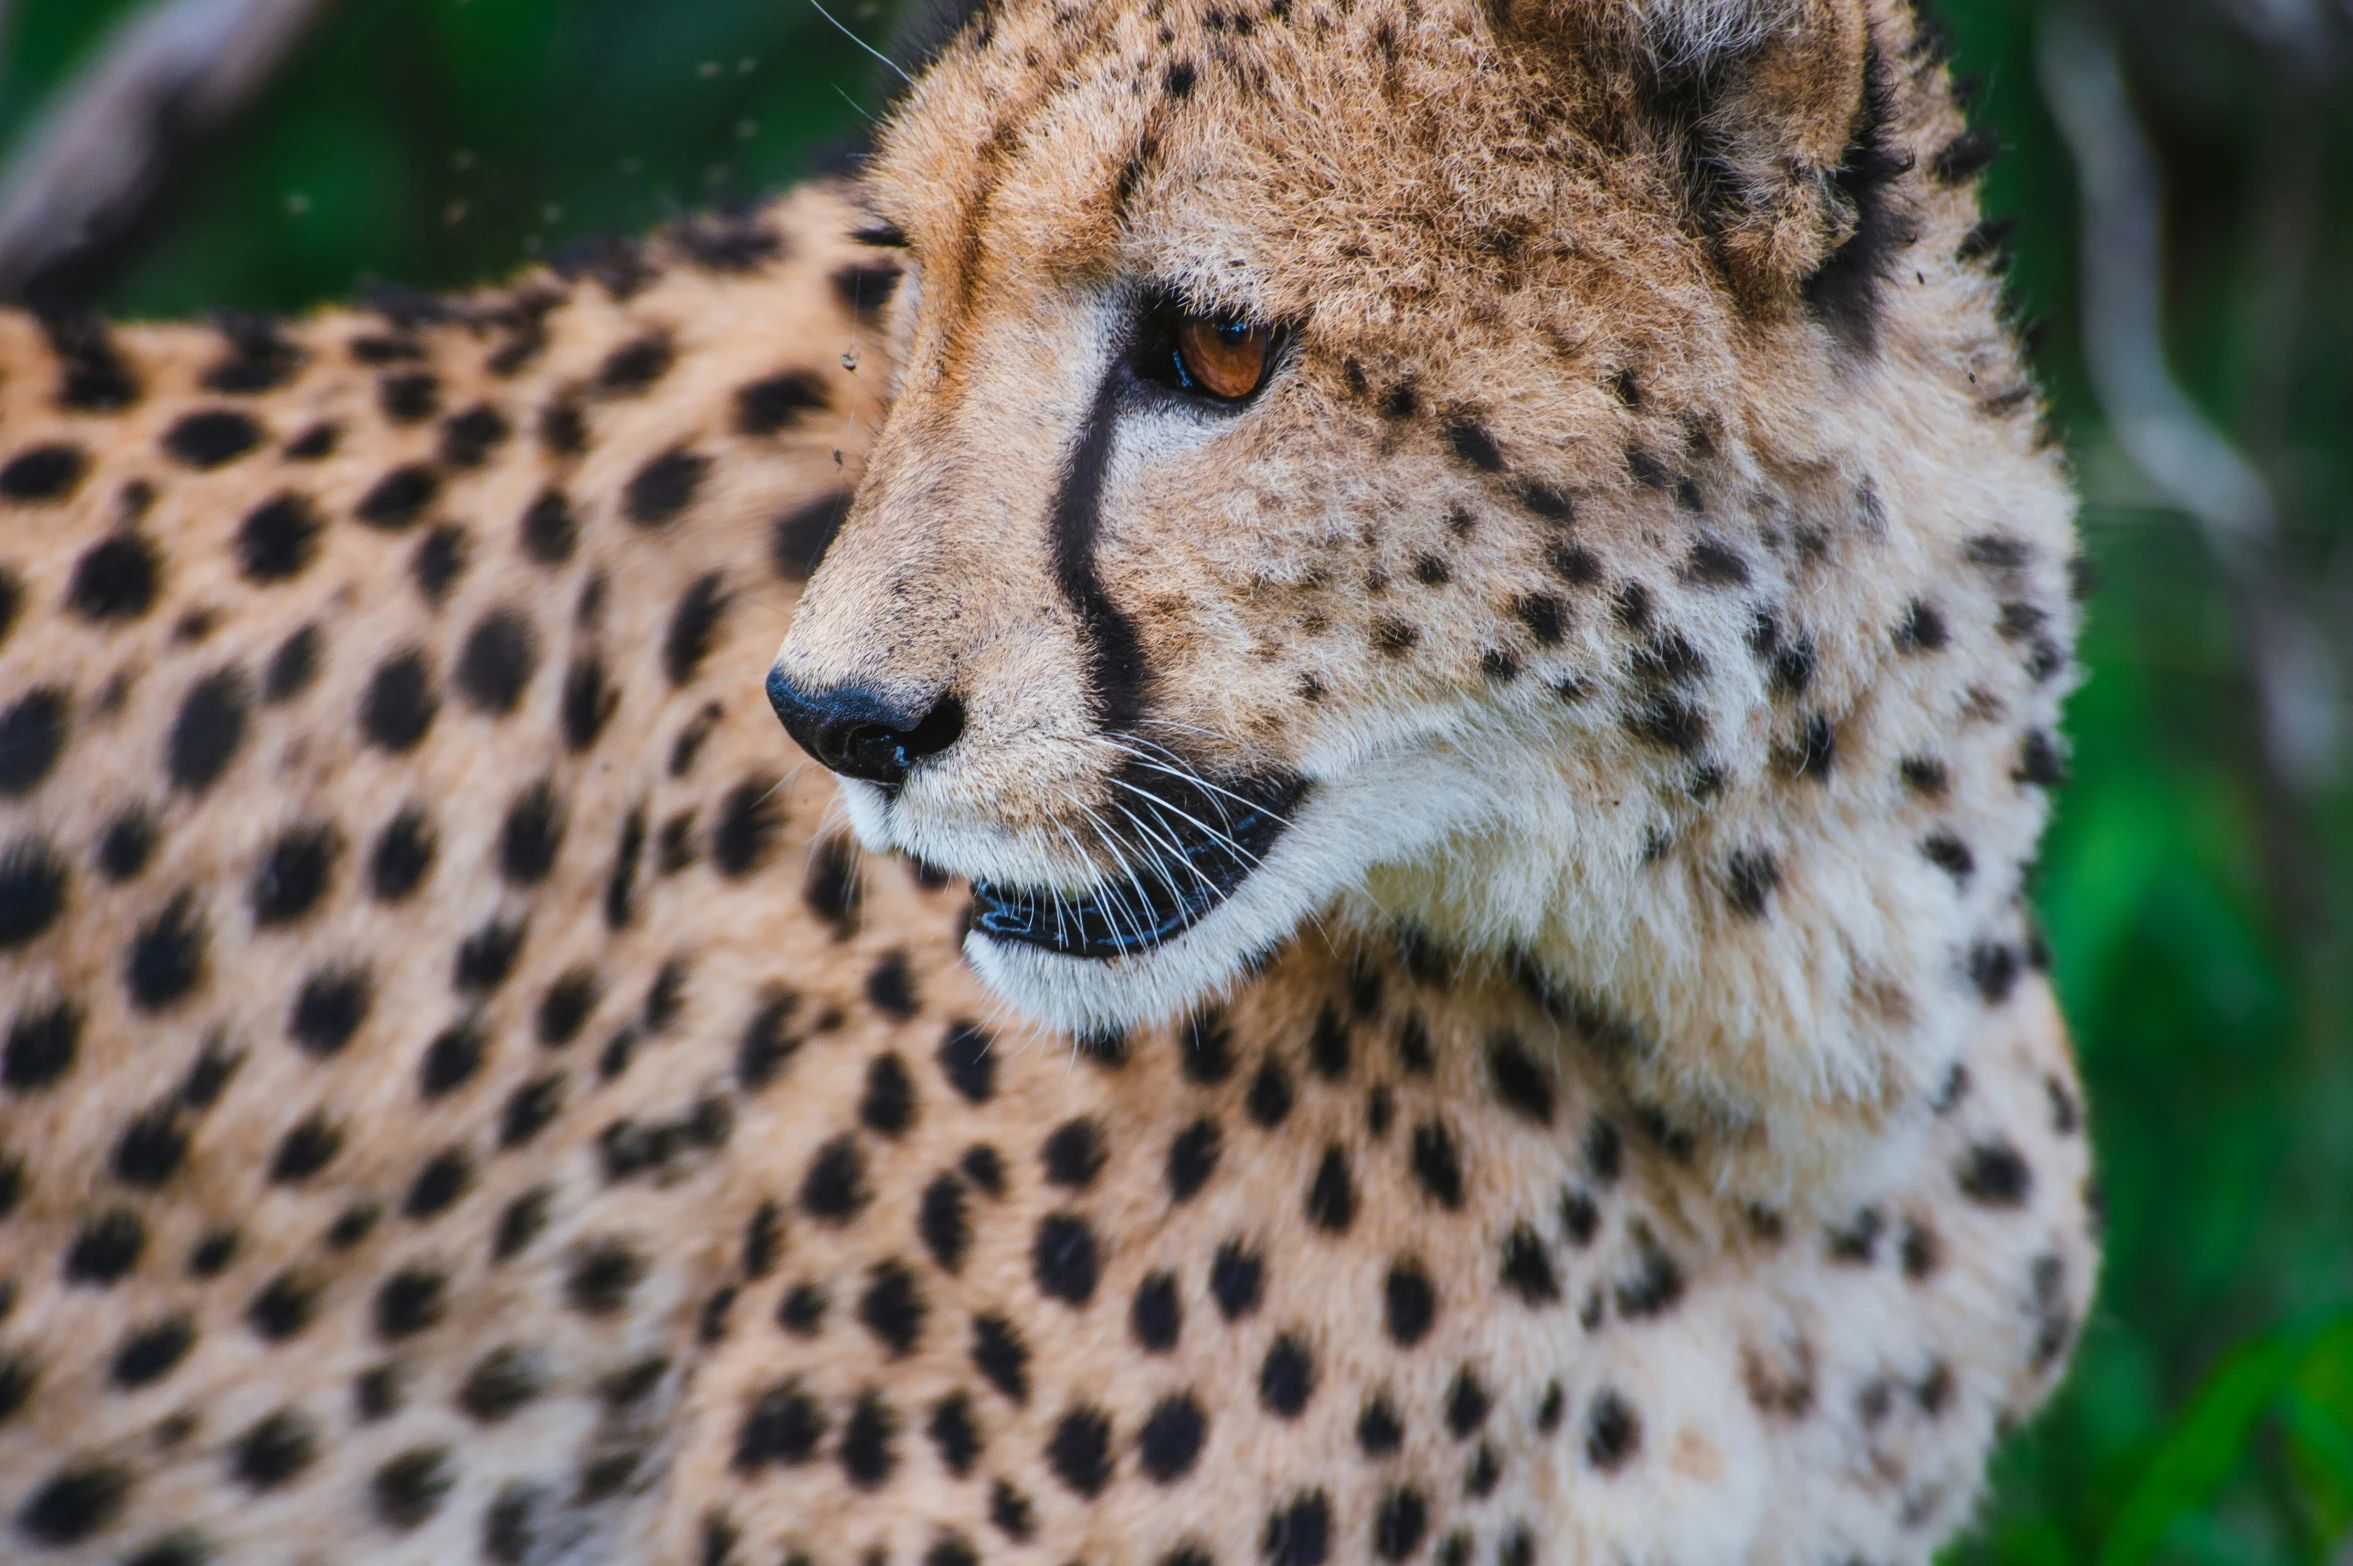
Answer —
861 733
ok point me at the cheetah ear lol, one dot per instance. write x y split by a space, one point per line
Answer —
1779 112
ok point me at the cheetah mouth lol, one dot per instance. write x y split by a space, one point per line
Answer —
1185 844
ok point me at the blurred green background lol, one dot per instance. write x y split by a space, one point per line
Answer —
2195 891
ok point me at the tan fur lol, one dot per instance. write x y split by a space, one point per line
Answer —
1742 1235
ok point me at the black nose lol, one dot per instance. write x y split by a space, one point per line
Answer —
861 733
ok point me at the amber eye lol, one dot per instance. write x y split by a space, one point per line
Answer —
1224 358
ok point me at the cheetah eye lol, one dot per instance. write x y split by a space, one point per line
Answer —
1223 358
1218 357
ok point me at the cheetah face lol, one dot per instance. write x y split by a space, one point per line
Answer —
1345 466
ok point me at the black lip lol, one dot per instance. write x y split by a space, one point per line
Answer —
1192 844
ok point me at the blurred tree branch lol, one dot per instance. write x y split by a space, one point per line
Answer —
169 73
2294 669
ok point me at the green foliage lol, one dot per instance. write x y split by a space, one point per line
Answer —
2195 904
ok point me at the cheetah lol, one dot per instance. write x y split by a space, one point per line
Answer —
1431 635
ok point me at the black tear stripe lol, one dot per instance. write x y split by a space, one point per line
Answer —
1119 678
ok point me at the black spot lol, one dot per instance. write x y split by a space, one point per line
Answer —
1073 1154
956 1434
1394 638
1178 78
1170 1439
445 1177
32 891
1300 1534
310 1146
293 666
1520 1082
1922 629
1468 439
1750 879
285 1305
778 403
1949 854
400 497
1994 1175
1484 1472
403 855
1399 1523
867 1454
315 444
865 289
209 730
210 1256
966 1060
1331 1195
410 397
1815 752
2038 762
1192 1158
1993 970
44 473
32 735
378 1392
1270 1094
1549 1411
150 1353
126 845
278 539
530 1109
802 1310
1286 1377
602 1277
833 889
106 1248
1613 1432
1157 1316
487 955
1713 563
1545 616
275 1449
257 357
943 1223
400 702
42 1043
1919 1251
834 1189
410 1488
1062 1258
765 1045
168 956
664 487
520 1223
893 1308
694 628
80 1500
1527 1267
1079 1450
1656 1284
1965 157
890 986
1379 1432
634 366
531 835
1237 1280
1669 720
294 873
211 437
798 539
1580 1218
497 662
1001 1356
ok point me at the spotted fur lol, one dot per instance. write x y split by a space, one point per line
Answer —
463 1095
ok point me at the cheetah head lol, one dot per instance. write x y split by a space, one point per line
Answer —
1549 475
